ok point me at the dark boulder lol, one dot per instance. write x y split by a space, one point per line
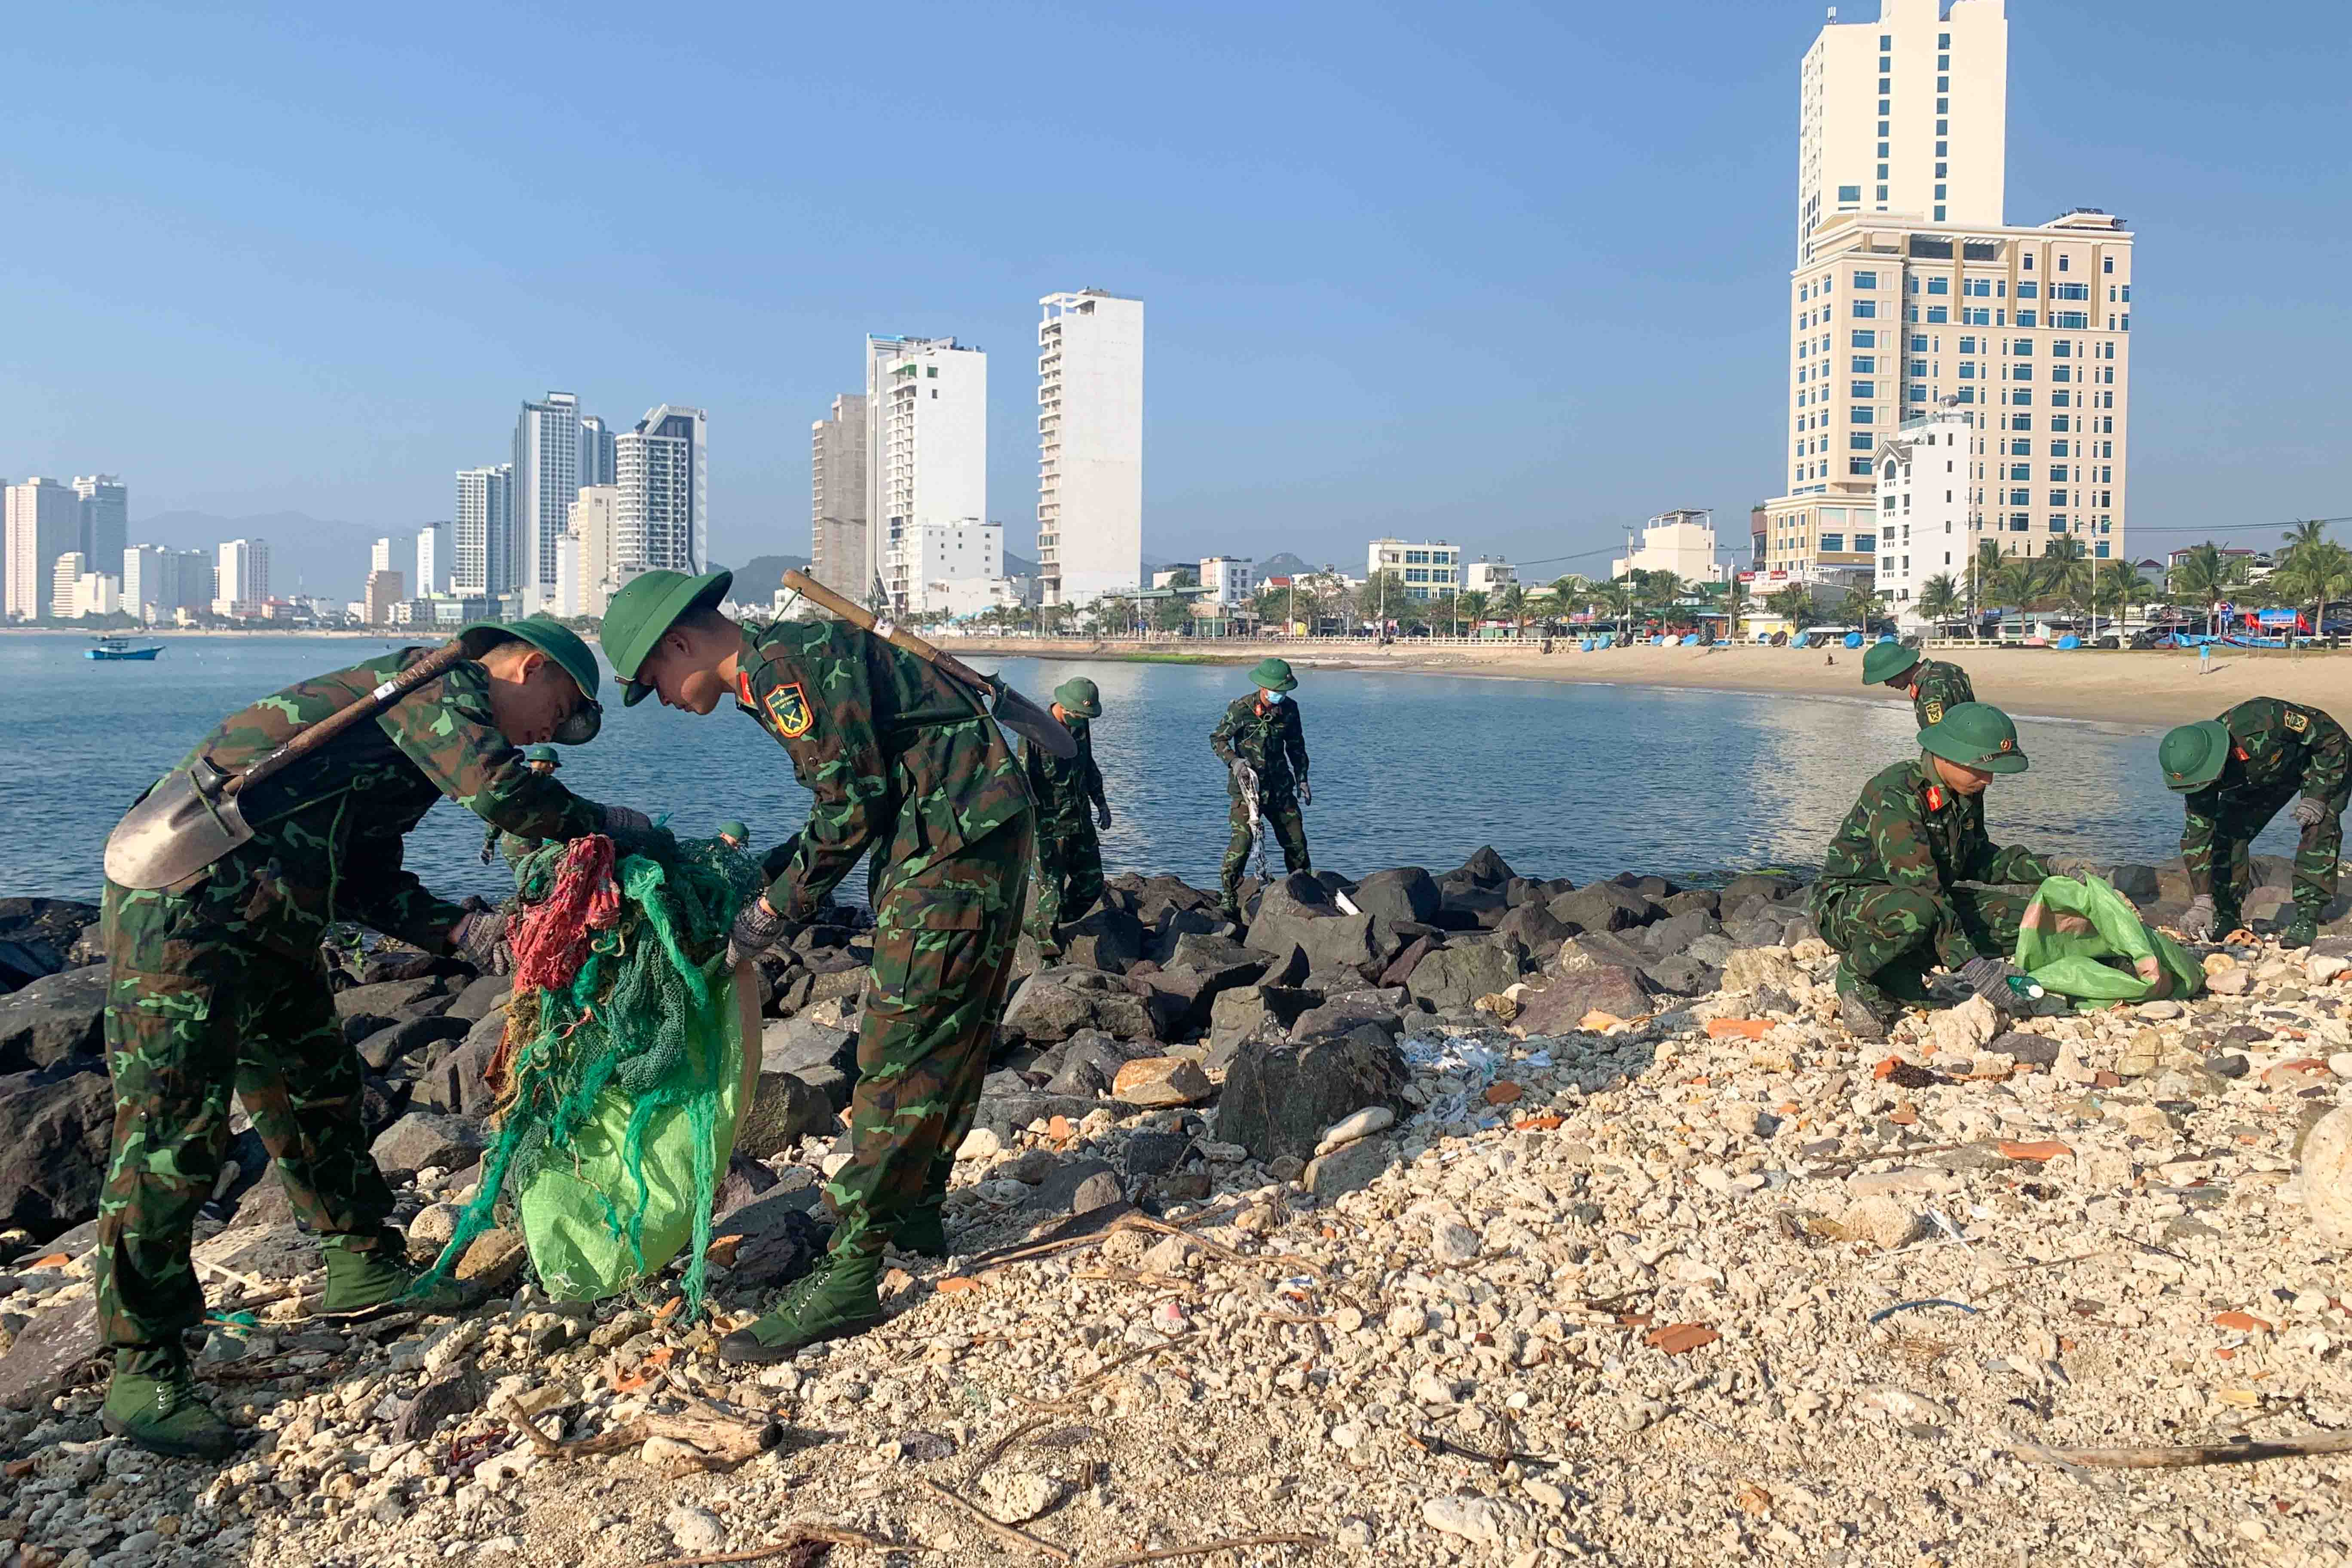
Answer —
427 996
1298 911
1602 907
55 1018
1695 899
1280 1096
1400 967
1252 1012
1597 950
42 936
1532 929
1759 884
1406 893
1677 932
475 1001
1561 1003
1682 975
427 1138
455 1080
1451 979
55 1128
1108 939
1486 868
783 1111
387 1046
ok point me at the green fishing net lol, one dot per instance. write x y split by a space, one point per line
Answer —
619 1077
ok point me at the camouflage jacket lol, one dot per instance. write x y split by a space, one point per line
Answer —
2277 748
1909 830
1265 735
328 829
1939 685
1063 789
904 762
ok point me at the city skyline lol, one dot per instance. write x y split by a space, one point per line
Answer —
1546 436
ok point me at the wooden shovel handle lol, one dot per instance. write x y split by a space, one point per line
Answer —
429 669
857 615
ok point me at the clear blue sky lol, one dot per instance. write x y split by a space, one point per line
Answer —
1509 275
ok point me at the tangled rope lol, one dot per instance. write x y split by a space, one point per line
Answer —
617 993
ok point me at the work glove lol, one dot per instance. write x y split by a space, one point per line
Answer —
481 939
2309 813
2197 924
1989 977
633 833
757 928
1102 813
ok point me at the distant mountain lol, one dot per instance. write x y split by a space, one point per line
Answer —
307 555
1019 565
762 575
1283 564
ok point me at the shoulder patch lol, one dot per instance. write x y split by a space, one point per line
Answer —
1935 711
788 705
1934 798
2296 722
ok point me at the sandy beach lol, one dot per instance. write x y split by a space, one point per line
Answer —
2147 689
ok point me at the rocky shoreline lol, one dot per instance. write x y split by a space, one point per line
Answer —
1501 1221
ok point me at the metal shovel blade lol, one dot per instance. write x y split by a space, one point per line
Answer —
1022 717
184 824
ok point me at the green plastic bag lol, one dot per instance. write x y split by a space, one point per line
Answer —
578 1216
2098 964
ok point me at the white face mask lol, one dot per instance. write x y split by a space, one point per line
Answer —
1271 696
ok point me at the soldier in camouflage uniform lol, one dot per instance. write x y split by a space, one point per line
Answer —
908 769
2235 772
1265 752
1889 898
496 840
734 835
1069 795
218 983
1933 686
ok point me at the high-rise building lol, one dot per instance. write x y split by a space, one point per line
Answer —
98 594
597 456
546 479
432 559
1917 298
595 518
65 585
926 447
1925 520
105 517
482 550
159 582
838 498
1906 114
386 588
43 519
937 554
1089 447
663 474
380 554
241 579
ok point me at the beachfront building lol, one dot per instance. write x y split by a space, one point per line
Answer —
838 498
43 522
926 450
1925 525
1905 114
1089 445
482 558
1430 569
241 579
386 587
546 477
589 580
661 470
933 555
1488 576
1228 578
105 517
432 559
1681 542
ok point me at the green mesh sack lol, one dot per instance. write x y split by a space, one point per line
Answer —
2097 963
620 1076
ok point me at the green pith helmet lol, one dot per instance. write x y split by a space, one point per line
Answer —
1975 735
2193 755
554 638
547 754
1885 660
1273 675
735 830
1079 696
644 609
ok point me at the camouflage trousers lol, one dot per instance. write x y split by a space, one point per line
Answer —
192 1013
1069 876
943 943
2228 858
1890 936
1283 819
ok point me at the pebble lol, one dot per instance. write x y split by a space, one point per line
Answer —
695 1531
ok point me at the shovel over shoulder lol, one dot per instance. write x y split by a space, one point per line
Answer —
1011 710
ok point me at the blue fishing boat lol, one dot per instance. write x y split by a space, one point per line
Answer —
120 647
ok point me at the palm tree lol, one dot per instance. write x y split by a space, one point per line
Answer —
2316 571
2203 577
1981 572
1794 604
1940 600
1864 606
2313 530
2063 576
1619 601
1510 601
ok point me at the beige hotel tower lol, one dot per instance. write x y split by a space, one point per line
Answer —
1910 294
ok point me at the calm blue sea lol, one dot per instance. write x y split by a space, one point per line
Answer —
1565 779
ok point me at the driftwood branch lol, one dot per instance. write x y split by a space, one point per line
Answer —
992 1524
720 1439
1169 1553
2185 1459
812 1541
